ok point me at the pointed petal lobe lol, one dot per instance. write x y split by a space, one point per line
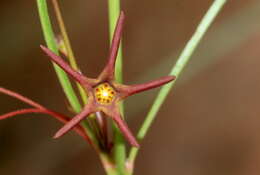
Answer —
133 89
66 67
74 121
121 124
108 72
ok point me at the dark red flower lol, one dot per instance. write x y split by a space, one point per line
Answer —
104 93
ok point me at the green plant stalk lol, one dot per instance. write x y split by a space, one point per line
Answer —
68 47
62 76
108 165
51 43
119 147
72 59
113 12
176 71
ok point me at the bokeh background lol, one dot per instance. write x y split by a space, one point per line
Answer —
210 122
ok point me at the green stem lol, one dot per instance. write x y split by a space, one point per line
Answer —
67 45
119 144
71 58
108 165
62 76
51 43
176 70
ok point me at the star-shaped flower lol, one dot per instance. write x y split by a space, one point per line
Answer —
104 93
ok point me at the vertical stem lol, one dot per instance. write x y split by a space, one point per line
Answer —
113 12
176 70
51 43
63 78
108 165
119 147
67 45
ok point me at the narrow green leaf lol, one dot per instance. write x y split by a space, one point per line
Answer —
51 43
177 70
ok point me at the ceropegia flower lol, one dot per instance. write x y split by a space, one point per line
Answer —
37 108
104 93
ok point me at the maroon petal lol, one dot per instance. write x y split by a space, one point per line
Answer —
108 72
62 118
121 124
58 60
133 89
74 121
20 97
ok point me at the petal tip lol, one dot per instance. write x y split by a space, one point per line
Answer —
122 14
135 144
58 134
43 47
172 77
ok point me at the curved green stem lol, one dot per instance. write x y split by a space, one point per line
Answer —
68 47
51 43
62 76
176 71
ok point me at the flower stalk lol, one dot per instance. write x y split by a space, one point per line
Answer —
176 71
67 46
37 108
51 43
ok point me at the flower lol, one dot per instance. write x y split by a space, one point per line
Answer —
104 93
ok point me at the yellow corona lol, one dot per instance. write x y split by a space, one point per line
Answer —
104 94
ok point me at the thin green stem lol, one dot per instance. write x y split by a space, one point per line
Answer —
67 45
119 144
176 70
70 55
62 76
73 63
51 43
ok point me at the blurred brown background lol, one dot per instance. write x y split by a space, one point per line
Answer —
209 124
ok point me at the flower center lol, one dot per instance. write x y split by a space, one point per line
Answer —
104 94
